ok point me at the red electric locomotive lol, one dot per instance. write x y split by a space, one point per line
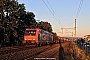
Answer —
37 36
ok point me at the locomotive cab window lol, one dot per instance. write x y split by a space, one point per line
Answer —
30 32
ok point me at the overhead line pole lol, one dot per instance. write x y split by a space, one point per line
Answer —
71 28
75 28
65 28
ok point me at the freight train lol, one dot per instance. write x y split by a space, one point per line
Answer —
39 37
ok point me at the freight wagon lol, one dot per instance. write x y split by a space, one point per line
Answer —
55 39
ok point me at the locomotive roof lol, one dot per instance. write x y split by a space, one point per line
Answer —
38 29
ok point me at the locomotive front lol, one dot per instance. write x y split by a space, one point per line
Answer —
30 36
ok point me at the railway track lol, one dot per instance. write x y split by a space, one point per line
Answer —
50 53
11 49
22 54
44 53
36 53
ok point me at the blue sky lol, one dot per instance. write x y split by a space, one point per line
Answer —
65 12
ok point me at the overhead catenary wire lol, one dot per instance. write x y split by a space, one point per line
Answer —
55 14
79 8
69 24
52 11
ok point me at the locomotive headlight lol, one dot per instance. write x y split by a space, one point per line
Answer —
25 39
33 39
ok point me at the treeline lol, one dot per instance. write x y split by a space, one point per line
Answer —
14 19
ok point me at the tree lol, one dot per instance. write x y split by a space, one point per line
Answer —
14 20
10 12
45 25
29 20
54 33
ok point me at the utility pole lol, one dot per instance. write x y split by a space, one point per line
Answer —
65 29
68 31
71 28
72 36
75 28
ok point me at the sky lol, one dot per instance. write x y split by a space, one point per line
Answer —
62 14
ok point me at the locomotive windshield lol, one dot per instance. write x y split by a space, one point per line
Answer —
30 32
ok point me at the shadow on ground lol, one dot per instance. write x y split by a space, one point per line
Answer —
61 52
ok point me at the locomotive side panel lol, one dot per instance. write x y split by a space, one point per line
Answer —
44 37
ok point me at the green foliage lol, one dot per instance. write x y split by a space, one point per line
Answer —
45 25
14 20
54 33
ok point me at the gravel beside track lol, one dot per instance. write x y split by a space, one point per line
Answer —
48 54
42 52
22 54
11 49
66 51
